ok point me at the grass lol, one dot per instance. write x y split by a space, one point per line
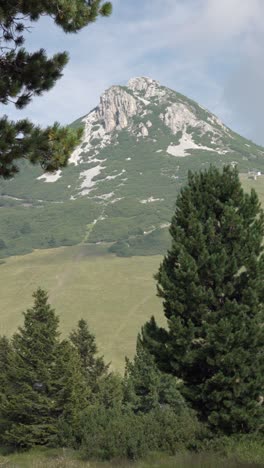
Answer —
115 295
64 458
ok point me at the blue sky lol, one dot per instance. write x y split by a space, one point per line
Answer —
209 50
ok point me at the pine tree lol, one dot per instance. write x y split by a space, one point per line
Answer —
5 352
24 75
93 366
27 411
109 392
70 392
212 285
147 388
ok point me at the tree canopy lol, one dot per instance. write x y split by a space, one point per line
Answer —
212 285
24 75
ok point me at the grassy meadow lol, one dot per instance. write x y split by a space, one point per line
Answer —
115 295
241 456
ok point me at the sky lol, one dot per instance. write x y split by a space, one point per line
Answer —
210 50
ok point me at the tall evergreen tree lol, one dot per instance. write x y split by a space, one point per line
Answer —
27 411
24 74
93 366
212 285
71 394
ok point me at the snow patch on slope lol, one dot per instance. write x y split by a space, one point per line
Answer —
88 177
115 176
106 196
143 100
75 157
186 143
151 200
50 177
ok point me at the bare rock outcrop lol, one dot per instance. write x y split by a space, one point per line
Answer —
115 108
178 117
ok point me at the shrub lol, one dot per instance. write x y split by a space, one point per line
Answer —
113 432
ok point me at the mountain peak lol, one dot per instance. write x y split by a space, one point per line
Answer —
146 110
142 83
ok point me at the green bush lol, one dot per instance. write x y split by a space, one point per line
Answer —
247 448
108 433
170 432
113 432
149 244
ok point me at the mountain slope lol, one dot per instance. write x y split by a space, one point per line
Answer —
121 183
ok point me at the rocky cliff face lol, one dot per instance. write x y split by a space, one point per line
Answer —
116 108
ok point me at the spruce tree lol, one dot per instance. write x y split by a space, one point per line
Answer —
70 393
27 411
212 285
24 75
93 366
5 354
147 388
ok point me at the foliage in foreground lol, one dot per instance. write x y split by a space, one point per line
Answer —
24 75
212 285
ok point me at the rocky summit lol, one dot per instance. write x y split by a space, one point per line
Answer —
122 181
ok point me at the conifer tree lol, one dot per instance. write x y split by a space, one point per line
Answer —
71 394
93 366
5 352
109 391
26 74
27 411
5 357
146 387
212 285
